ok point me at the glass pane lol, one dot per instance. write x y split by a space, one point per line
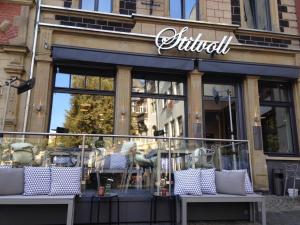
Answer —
273 92
152 86
88 4
262 14
92 114
220 89
217 119
178 88
190 10
276 129
105 6
149 117
62 80
138 85
92 82
107 83
165 87
78 81
175 9
249 7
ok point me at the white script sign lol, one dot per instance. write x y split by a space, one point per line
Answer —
177 40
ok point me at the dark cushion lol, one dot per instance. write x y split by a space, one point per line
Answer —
230 183
11 181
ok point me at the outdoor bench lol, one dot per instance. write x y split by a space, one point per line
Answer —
251 198
42 200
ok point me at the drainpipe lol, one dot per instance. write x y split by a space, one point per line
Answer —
36 29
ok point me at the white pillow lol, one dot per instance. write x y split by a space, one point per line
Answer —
37 180
208 181
187 182
118 161
248 184
65 181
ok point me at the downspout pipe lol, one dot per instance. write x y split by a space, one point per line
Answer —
36 30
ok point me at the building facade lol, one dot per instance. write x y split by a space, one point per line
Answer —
97 61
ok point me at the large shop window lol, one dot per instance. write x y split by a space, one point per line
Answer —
97 5
257 14
276 111
83 101
157 107
184 9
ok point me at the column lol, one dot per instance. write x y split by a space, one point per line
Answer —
194 94
122 101
253 125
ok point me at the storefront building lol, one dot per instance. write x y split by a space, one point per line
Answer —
102 59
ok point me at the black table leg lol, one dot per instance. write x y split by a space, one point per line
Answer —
151 206
118 202
98 212
91 210
171 210
110 211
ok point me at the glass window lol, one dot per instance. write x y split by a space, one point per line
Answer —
78 111
62 80
220 89
97 5
184 9
257 14
276 111
156 103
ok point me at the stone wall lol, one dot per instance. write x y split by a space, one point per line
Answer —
287 16
149 7
219 11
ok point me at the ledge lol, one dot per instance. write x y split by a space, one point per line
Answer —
14 49
21 2
263 33
281 158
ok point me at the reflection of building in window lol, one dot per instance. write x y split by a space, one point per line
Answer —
276 110
257 14
153 105
184 9
180 126
173 132
166 128
97 5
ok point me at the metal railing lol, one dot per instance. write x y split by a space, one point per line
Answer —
159 155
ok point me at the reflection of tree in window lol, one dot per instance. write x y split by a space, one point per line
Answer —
184 9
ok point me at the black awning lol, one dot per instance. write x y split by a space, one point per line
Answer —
69 54
243 68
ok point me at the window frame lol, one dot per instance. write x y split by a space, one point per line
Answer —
291 109
108 73
268 12
96 6
182 11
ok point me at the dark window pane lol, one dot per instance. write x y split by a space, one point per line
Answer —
175 9
88 4
92 83
105 6
107 84
78 81
138 85
221 89
276 129
273 92
190 10
62 80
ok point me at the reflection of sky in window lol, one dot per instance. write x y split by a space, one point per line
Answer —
104 6
62 80
189 5
61 103
88 4
175 9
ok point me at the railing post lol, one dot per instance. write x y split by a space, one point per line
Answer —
170 167
82 156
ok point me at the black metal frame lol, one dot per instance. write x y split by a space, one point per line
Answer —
166 77
238 99
110 73
290 105
96 5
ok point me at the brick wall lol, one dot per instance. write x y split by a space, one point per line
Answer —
127 7
219 11
8 30
287 16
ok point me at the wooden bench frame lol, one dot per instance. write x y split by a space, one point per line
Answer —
42 200
251 198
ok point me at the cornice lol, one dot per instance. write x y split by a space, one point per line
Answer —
21 2
17 49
